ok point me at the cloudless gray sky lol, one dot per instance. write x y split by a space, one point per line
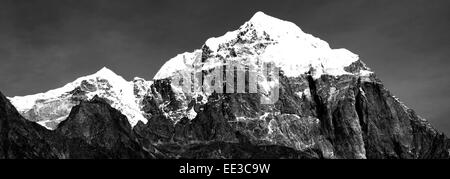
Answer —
47 43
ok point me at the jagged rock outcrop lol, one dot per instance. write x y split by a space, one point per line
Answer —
103 127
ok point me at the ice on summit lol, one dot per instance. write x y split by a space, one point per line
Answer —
291 49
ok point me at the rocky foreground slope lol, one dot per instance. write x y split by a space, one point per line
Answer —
94 130
315 102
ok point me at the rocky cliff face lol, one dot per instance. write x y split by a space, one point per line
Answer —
266 90
345 117
92 130
20 138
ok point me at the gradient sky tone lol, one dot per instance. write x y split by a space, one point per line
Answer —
47 43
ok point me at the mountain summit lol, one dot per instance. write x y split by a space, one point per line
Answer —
269 39
265 90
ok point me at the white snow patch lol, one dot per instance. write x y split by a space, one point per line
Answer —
365 73
305 92
362 91
264 116
191 114
331 93
59 120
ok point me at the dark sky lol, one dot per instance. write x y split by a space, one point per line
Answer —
47 43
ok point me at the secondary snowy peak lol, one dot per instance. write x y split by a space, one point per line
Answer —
52 107
27 102
268 39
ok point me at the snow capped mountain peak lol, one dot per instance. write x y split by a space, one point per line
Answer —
268 39
53 106
261 40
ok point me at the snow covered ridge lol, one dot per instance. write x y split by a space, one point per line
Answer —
267 39
52 107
